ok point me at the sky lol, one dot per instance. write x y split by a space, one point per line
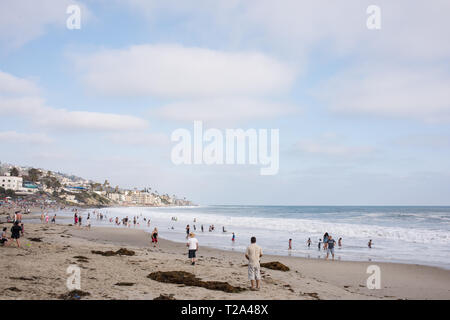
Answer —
363 115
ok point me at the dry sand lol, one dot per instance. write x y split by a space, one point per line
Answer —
38 270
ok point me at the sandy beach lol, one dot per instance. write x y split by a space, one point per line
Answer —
38 269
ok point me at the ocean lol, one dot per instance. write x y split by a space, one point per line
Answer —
414 235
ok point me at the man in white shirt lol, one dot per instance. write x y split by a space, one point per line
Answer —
253 255
193 247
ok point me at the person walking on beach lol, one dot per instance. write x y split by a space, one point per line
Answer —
88 222
290 244
15 232
308 242
187 231
233 237
253 255
340 243
330 246
54 219
75 219
370 244
319 243
46 218
192 244
155 237
202 228
42 217
79 221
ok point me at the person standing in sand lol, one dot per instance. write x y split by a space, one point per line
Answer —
192 244
290 244
15 232
187 231
330 246
253 255
370 244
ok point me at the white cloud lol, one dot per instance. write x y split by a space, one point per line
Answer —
17 137
390 91
140 139
326 146
35 110
224 110
11 85
25 20
176 71
410 29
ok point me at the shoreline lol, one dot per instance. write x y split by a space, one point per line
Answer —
44 265
34 215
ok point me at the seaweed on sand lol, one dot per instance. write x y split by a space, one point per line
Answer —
275 265
165 297
120 252
74 295
189 279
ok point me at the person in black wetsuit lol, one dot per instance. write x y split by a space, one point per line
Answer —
15 232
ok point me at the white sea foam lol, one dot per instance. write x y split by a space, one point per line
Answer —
398 240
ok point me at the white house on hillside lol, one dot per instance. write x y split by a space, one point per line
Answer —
9 182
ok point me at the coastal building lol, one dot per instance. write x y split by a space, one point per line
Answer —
9 182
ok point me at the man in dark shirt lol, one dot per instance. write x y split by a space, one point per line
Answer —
330 247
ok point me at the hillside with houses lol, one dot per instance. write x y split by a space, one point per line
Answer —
19 181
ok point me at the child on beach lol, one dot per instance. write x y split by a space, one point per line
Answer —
319 243
325 241
308 242
155 237
4 239
340 243
370 244
192 244
187 231
54 219
233 238
290 244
